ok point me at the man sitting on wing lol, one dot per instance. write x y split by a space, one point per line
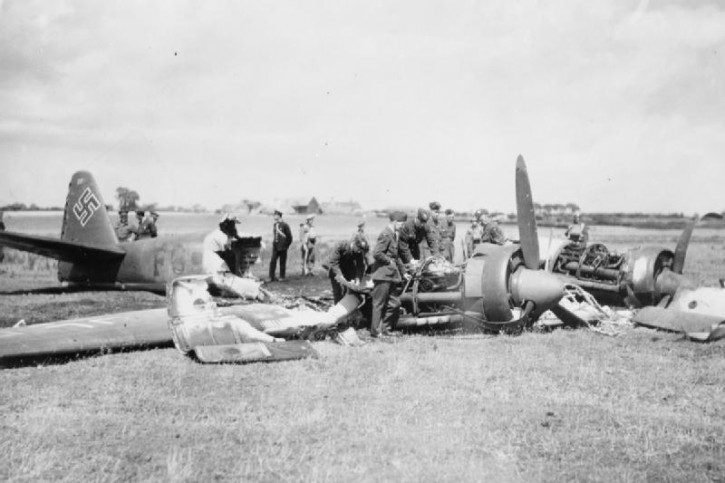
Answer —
215 244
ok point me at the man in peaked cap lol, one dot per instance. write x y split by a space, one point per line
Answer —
413 231
388 272
281 240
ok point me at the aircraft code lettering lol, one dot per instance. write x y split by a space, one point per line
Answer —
86 205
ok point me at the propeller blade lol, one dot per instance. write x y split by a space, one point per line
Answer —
681 250
526 216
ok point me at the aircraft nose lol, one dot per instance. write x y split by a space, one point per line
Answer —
538 286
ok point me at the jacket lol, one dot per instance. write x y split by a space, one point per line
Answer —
387 265
281 236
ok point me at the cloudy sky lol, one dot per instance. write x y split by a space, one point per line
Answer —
616 105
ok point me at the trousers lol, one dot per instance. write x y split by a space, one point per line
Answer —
282 256
386 307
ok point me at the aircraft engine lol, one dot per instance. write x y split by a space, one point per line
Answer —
494 289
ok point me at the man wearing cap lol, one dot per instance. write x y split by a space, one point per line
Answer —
414 231
388 272
492 233
124 233
281 240
308 239
347 265
216 243
448 235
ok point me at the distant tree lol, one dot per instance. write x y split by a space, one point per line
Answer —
127 199
573 207
14 207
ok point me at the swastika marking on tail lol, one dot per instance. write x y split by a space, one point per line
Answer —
86 205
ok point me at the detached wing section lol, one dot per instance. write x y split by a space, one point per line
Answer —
126 330
60 250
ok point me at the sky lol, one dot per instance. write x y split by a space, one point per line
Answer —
615 105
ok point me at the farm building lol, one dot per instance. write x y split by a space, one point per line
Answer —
302 207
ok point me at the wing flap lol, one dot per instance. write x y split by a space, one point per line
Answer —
59 249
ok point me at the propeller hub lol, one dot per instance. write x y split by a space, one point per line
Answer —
542 288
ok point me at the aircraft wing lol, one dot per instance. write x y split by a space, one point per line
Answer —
125 330
59 249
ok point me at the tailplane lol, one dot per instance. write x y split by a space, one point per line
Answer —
85 219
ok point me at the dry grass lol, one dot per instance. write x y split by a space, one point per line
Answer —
564 406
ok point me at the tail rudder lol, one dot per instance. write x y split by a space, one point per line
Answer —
85 219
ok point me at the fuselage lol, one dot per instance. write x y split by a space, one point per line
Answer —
151 263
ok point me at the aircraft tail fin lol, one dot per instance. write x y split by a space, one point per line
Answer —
85 219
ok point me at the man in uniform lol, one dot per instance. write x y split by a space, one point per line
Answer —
387 273
577 233
474 234
412 232
492 233
347 265
436 227
221 276
281 240
308 239
123 231
448 235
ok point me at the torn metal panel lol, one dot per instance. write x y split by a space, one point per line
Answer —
696 326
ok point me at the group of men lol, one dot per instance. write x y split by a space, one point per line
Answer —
145 226
396 255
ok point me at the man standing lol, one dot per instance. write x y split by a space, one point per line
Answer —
577 233
412 232
388 273
347 265
308 239
281 240
436 227
448 235
473 234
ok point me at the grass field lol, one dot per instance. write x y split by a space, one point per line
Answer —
561 406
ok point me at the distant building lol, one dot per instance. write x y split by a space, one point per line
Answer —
306 208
